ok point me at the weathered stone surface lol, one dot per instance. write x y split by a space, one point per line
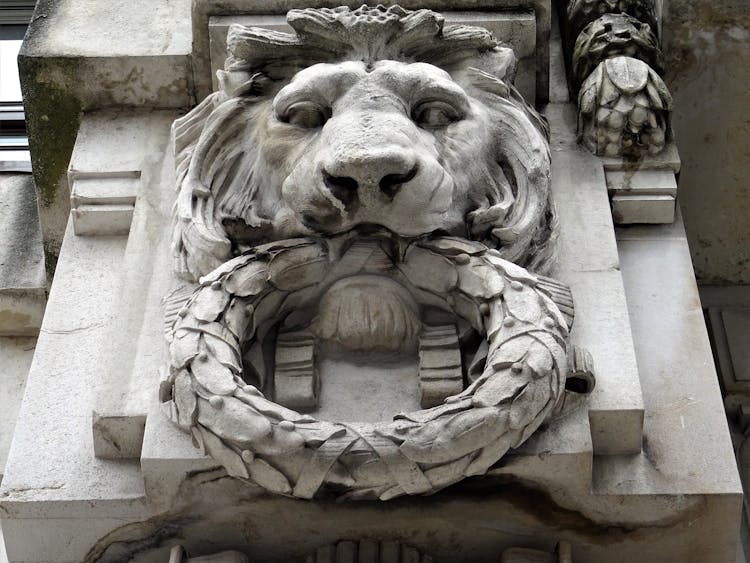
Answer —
624 110
68 66
23 282
707 49
203 10
615 35
588 262
643 209
15 357
105 328
516 28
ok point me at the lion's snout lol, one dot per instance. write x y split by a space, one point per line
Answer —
368 175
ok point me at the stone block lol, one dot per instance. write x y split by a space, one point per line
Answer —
23 281
642 196
42 509
105 169
105 191
71 66
668 159
15 358
589 263
628 209
102 219
641 182
118 437
684 411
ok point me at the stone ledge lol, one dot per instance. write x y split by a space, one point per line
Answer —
23 281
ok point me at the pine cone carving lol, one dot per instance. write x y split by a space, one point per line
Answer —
624 109
614 35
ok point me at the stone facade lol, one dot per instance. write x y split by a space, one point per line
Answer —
342 323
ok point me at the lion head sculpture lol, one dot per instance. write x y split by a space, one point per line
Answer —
372 184
376 117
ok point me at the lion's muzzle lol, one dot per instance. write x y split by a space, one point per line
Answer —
371 175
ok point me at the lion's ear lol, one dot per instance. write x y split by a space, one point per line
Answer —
240 83
488 82
499 62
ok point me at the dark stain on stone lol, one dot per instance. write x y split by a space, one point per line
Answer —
125 543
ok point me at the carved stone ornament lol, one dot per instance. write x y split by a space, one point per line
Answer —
344 551
624 109
581 13
614 35
326 194
374 551
563 554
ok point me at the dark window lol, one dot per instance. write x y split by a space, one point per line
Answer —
14 145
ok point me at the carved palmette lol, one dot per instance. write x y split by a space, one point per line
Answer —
521 383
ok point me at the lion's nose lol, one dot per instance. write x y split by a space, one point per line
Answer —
387 172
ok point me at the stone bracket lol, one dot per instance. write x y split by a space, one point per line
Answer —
643 190
643 196
102 203
440 373
295 378
118 437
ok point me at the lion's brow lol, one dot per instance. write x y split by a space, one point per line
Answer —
329 80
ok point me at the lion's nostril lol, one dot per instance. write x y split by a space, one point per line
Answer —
390 184
343 188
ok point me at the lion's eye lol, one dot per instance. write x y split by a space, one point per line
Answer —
307 115
435 114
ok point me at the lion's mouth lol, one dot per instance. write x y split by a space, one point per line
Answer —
374 310
394 244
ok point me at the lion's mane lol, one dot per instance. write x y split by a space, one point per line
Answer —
230 169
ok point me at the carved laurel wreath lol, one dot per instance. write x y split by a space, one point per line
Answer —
294 454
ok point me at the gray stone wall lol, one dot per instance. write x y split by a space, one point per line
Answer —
707 47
